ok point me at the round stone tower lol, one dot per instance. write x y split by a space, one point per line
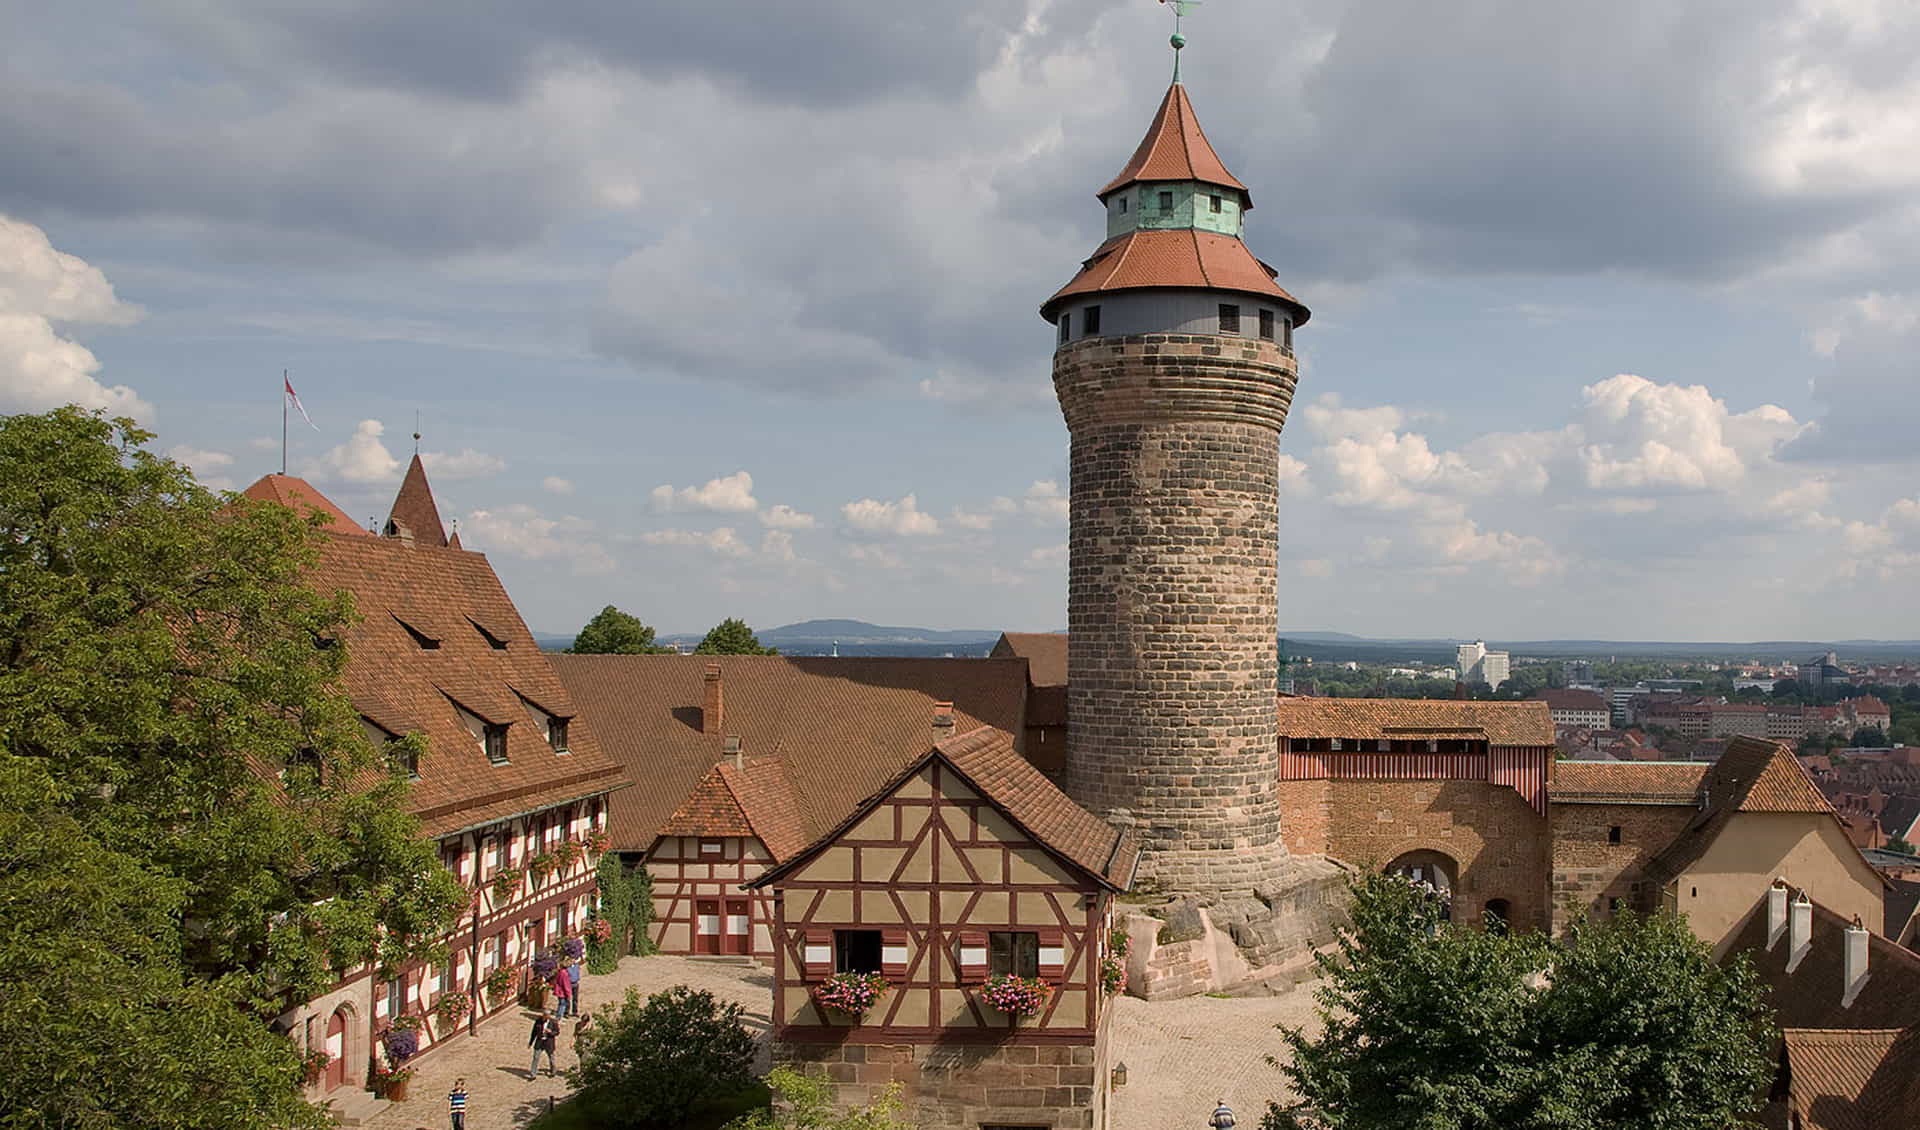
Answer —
1175 370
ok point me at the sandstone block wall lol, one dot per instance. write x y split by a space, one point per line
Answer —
1590 870
1171 597
1498 844
1307 814
966 1086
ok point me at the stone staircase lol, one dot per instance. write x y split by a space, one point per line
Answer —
355 1108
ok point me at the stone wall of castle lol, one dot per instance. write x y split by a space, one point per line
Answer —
948 1086
1590 870
1172 597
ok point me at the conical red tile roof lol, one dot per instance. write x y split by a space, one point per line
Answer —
1175 148
414 509
1176 257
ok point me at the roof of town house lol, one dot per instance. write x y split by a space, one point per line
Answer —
1175 149
1180 258
438 633
1626 782
986 760
839 725
1811 996
1869 704
1753 775
752 798
1366 719
414 513
1852 1079
298 493
1045 653
1571 700
1899 815
1903 902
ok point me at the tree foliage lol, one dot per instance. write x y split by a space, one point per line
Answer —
1436 1026
732 637
613 632
807 1104
167 674
648 1063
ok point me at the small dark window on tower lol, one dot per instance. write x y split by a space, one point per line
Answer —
1229 318
1066 327
1123 205
1266 325
1213 202
1286 333
494 742
1166 202
1090 321
1613 834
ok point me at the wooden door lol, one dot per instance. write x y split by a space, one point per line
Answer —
706 926
739 927
336 1047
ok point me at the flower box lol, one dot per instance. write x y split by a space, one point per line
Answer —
390 1082
1113 967
499 984
453 1008
1016 996
540 866
569 852
506 884
849 994
596 842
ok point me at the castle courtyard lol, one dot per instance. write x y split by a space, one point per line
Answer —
1181 1055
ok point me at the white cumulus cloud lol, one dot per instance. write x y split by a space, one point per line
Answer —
728 494
722 541
40 286
520 530
554 484
898 518
784 517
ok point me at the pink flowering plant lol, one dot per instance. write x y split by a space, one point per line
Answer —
1016 996
1113 967
850 993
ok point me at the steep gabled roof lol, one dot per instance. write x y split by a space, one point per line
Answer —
987 761
1178 258
1853 1079
298 494
1045 653
1175 149
414 512
754 798
1365 719
1753 775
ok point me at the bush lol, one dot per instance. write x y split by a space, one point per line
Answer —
647 1063
808 1105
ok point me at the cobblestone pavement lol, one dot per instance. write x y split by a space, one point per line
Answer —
494 1062
1183 1056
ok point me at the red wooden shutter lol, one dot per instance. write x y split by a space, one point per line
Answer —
972 957
893 954
1053 955
816 954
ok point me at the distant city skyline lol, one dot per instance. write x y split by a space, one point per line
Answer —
726 311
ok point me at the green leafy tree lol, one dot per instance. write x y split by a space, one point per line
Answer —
604 957
732 637
613 632
166 669
1437 1026
807 1104
1899 843
651 1063
1868 737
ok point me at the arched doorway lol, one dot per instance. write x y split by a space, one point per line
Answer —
1499 916
1430 870
336 1049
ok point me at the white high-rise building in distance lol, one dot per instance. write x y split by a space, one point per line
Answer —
1478 665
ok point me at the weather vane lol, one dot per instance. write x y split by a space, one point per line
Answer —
1180 8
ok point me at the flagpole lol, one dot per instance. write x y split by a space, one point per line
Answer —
286 380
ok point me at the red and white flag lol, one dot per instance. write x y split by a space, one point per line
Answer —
293 398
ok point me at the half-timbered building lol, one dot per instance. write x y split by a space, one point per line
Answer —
967 866
740 820
513 783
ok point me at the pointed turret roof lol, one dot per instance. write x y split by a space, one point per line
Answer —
414 511
1175 149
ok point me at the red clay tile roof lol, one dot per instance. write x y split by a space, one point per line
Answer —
986 759
403 687
299 494
1176 257
752 799
1627 782
1499 723
1175 148
1811 995
709 810
1045 653
1753 775
840 726
1852 1079
414 512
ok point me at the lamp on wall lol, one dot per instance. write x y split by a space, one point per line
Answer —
1119 1075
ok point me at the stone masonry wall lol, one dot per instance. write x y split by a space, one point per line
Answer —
1307 812
966 1086
1590 870
1497 842
1171 597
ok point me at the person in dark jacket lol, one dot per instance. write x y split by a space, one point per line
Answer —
546 1031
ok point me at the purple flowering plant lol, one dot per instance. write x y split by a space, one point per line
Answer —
402 1044
850 993
1016 996
575 948
544 963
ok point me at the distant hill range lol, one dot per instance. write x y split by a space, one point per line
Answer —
857 637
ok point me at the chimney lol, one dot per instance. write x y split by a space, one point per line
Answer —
1776 911
1855 967
713 706
1799 929
731 745
943 717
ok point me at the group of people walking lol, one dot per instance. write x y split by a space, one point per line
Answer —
546 1033
544 1039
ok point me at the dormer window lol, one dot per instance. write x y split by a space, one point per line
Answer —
493 740
1122 201
426 642
1166 203
557 734
307 757
493 641
402 756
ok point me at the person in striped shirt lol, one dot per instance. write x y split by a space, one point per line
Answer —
457 1104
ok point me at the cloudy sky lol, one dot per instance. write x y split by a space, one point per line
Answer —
729 308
